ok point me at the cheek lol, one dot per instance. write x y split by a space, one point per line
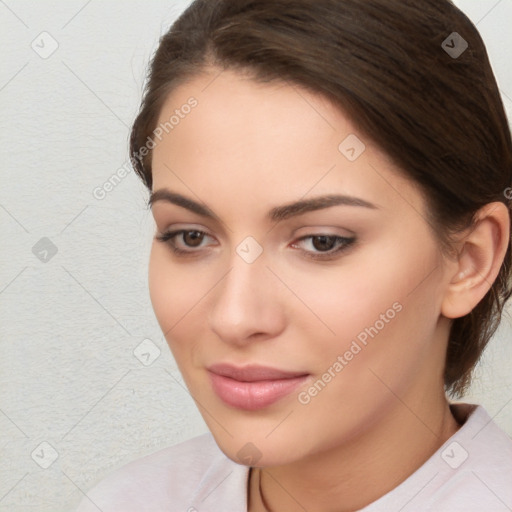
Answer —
172 292
162 288
178 296
338 302
371 358
384 301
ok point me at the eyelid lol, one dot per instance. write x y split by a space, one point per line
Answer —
326 256
323 229
346 243
175 232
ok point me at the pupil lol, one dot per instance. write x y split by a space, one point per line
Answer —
196 238
324 240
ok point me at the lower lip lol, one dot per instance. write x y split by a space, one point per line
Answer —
252 396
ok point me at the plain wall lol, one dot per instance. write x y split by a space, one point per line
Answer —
70 384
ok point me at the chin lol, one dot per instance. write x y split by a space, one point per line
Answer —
256 450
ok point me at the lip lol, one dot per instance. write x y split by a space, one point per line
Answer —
253 387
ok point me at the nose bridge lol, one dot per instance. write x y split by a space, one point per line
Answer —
247 263
242 284
242 303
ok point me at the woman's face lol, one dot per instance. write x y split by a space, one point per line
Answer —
342 301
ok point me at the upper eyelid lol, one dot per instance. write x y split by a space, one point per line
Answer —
189 226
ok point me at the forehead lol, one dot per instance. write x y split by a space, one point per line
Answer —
250 116
276 138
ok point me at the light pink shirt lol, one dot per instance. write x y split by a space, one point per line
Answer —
472 471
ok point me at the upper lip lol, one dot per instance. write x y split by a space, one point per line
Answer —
252 373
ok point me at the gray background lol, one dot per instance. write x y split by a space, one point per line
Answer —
73 395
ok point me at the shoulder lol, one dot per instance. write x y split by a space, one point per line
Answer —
470 472
169 479
480 444
477 469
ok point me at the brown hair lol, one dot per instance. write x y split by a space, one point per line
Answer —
385 63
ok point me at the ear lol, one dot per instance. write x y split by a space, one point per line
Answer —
479 260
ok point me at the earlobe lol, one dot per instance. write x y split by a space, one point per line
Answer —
479 260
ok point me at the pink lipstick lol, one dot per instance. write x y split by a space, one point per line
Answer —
253 387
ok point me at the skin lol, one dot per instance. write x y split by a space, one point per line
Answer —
249 147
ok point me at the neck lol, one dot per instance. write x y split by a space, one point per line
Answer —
353 475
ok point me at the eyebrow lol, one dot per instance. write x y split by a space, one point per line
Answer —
276 214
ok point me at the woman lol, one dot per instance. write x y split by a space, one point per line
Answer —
329 182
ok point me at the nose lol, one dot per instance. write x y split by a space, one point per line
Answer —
246 304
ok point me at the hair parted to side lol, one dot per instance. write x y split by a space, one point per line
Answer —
439 118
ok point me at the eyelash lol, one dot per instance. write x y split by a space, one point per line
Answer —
346 242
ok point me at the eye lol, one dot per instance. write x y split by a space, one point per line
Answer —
325 246
190 238
322 246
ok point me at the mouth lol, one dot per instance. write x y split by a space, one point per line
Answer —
253 387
